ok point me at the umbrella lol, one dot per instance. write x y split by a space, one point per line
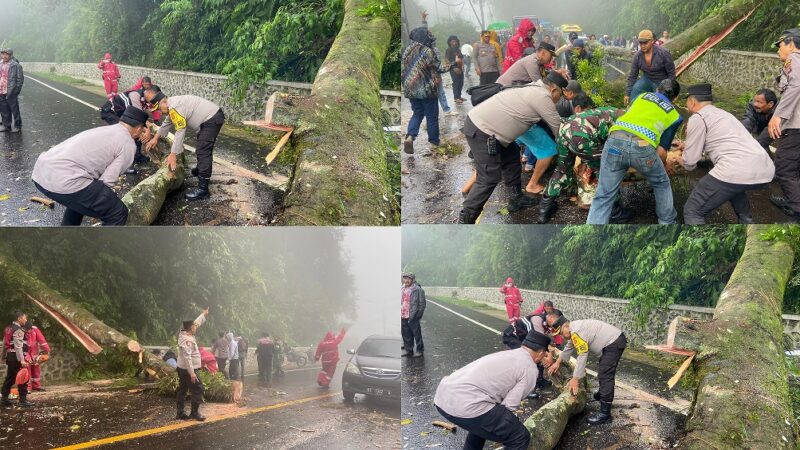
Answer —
497 26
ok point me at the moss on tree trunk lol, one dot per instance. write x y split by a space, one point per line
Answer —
742 400
341 175
144 201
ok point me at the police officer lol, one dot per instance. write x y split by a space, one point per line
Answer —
188 365
785 124
639 139
600 338
15 348
112 110
491 129
583 135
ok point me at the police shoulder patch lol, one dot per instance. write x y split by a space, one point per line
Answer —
177 119
580 345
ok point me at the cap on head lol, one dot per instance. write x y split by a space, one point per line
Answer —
549 47
134 116
646 35
556 78
579 43
792 33
7 51
701 92
409 275
536 341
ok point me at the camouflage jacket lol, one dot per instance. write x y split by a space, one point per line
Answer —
584 134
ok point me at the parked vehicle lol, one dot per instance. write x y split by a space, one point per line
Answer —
374 369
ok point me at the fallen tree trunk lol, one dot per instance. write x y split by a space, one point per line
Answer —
341 176
548 423
702 30
144 201
742 400
17 281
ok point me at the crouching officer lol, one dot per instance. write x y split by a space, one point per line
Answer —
189 111
188 365
482 399
600 338
80 172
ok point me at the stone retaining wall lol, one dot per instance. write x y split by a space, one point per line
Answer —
610 310
209 86
61 366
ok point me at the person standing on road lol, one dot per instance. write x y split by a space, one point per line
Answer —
513 299
189 111
421 82
37 345
482 396
11 80
455 60
242 347
604 340
265 354
80 172
189 364
277 361
328 354
412 307
233 357
15 348
220 350
466 51
111 75
487 57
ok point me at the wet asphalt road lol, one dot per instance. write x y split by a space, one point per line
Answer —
451 342
49 118
73 418
432 184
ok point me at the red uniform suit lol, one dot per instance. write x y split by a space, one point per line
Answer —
111 75
328 352
513 299
36 344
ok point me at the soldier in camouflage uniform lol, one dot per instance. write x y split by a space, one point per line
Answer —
584 135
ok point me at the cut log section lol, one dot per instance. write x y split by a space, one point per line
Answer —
677 377
447 426
145 200
283 110
548 423
44 201
274 153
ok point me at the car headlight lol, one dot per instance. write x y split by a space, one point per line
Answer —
352 369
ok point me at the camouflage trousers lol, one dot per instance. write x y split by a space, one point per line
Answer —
564 178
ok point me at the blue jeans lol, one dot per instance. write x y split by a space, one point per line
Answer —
641 86
443 98
428 109
620 154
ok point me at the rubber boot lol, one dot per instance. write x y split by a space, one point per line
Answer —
200 192
602 416
467 217
196 413
24 403
181 413
620 214
547 207
519 201
408 145
5 403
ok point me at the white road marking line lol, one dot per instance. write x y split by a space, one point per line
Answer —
64 93
681 407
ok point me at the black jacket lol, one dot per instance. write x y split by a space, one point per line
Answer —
417 303
15 77
754 121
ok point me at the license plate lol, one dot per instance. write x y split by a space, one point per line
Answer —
376 391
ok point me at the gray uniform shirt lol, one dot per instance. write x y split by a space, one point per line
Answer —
510 113
186 111
738 158
102 153
485 57
524 71
588 336
188 351
504 377
788 108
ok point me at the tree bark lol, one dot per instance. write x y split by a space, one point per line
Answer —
341 176
742 400
548 423
144 201
16 280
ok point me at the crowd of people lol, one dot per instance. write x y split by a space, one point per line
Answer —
530 113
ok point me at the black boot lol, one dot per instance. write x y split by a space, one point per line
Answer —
181 413
467 217
200 192
5 403
602 416
781 203
195 172
547 207
519 201
196 413
24 403
408 145
620 214
596 396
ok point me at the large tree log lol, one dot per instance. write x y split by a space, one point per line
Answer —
742 400
17 281
341 176
144 201
548 423
702 30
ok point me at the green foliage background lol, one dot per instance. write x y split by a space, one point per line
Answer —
252 41
144 282
653 266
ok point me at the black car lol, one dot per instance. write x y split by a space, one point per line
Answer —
374 369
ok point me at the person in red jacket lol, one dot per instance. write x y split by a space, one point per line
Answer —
111 75
207 361
37 344
513 299
515 48
328 352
